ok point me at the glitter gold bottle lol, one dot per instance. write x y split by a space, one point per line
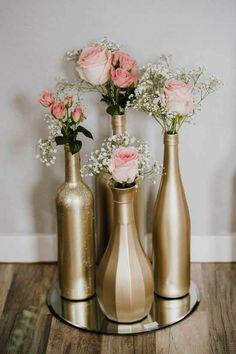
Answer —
76 252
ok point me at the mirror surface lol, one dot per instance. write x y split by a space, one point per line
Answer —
88 316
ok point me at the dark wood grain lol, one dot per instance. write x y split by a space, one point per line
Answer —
209 330
29 286
66 339
34 338
117 344
145 344
188 336
220 295
6 274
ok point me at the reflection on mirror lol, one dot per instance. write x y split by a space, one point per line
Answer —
87 314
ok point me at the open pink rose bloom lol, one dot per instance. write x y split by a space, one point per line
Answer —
124 60
94 65
178 97
46 98
124 164
123 78
58 110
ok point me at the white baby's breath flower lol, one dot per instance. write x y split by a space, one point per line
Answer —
46 151
108 44
100 160
149 95
73 55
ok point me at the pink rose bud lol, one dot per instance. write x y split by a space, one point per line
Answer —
77 114
178 97
94 65
124 60
58 110
124 164
123 78
46 98
68 101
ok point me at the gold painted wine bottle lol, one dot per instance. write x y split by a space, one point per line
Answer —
171 228
124 277
104 202
75 229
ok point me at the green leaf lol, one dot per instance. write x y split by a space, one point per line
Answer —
122 100
75 146
106 98
130 89
112 110
63 131
72 134
84 131
61 140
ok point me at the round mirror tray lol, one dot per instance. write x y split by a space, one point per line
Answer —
88 316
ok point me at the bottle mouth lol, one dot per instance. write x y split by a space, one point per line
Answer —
117 187
67 147
171 139
123 195
119 116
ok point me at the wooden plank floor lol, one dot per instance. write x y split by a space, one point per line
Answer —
210 329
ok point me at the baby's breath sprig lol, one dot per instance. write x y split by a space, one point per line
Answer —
100 160
108 44
149 95
73 55
46 151
65 87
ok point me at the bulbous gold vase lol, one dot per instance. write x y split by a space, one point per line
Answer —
171 228
75 230
124 276
104 202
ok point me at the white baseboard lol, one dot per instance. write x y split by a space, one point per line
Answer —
43 248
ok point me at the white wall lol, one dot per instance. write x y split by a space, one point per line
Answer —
34 36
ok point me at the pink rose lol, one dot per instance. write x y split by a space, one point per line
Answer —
94 65
124 60
58 110
77 114
178 97
46 98
123 78
68 101
124 164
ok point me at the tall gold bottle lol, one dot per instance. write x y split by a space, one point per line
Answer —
171 228
76 251
124 277
104 203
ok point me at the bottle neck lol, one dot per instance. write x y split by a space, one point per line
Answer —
171 154
72 166
123 205
118 123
